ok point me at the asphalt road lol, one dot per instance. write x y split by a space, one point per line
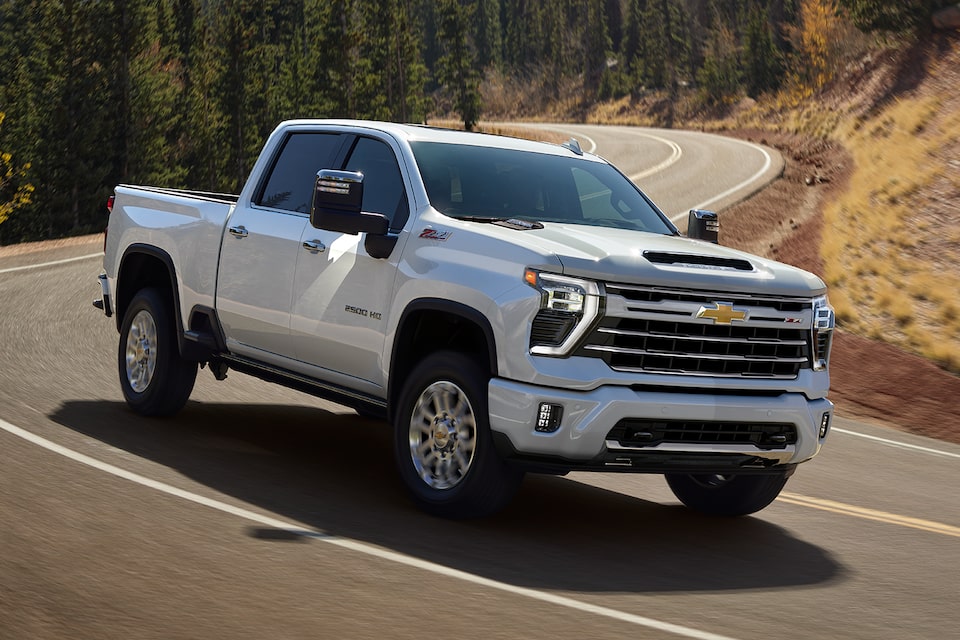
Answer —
260 512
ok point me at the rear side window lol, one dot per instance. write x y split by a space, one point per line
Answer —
291 182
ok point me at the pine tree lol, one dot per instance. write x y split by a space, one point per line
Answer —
634 50
144 73
762 60
63 69
456 69
719 78
524 24
596 46
489 34
202 140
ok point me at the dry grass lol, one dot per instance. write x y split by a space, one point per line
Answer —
893 273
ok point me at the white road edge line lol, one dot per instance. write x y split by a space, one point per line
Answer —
361 547
706 203
51 264
894 443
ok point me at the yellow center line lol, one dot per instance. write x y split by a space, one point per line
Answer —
870 514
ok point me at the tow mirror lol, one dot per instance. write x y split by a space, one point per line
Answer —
337 198
703 225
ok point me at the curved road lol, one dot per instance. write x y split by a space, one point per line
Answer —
260 512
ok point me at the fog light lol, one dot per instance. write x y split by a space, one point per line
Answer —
548 417
824 425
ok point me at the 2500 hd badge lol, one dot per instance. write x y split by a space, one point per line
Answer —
375 315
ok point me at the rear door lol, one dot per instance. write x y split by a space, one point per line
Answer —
262 244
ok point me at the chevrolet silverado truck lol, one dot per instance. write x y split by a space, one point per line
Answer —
507 306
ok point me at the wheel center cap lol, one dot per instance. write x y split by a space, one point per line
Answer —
444 435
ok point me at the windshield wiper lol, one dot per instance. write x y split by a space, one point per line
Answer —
510 223
490 219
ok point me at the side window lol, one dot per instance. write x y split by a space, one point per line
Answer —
383 190
291 182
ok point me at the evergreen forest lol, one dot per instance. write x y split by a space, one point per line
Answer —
183 93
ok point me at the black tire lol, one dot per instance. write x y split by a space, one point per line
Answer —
156 381
442 440
726 495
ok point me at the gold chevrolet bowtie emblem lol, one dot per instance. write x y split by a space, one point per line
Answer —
724 313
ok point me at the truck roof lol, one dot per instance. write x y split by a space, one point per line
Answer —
424 133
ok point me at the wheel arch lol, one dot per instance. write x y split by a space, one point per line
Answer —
144 265
428 325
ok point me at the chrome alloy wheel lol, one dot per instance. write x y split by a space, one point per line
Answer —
141 354
443 435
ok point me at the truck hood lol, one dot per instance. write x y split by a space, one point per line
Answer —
636 257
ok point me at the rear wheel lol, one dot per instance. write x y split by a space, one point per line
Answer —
726 495
155 380
443 444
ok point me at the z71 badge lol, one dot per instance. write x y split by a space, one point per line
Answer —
433 234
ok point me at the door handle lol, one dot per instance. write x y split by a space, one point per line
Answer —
314 246
238 232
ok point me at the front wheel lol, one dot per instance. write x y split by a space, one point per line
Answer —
726 495
155 380
443 444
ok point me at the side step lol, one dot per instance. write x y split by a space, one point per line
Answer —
369 405
203 339
198 345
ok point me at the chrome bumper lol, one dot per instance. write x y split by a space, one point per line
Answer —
588 418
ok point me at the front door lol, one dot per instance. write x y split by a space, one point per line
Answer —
342 296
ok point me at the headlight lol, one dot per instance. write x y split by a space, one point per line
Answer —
568 308
824 321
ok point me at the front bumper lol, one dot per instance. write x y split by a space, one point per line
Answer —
582 440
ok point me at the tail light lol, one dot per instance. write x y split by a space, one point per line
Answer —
110 202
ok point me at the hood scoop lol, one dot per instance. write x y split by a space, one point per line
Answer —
689 260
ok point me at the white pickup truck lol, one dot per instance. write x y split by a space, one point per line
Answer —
507 306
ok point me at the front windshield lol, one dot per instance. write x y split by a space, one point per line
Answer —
478 183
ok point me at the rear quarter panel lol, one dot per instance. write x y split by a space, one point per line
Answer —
187 228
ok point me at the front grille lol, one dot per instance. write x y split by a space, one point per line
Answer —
634 433
654 330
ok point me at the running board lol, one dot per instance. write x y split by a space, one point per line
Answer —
371 405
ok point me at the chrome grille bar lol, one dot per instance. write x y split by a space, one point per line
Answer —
677 336
693 356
